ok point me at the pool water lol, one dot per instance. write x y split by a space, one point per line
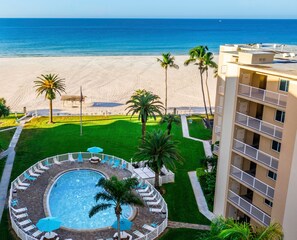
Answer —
72 196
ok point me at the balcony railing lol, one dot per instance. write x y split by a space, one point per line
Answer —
252 182
259 125
218 130
221 89
219 110
249 208
255 154
262 95
216 149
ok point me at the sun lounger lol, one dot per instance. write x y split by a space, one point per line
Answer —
29 228
28 177
80 158
139 234
22 183
148 227
22 215
33 174
57 162
124 166
105 159
37 170
156 203
143 190
19 210
36 234
14 202
110 162
23 223
150 198
146 194
156 210
70 157
116 164
19 187
42 167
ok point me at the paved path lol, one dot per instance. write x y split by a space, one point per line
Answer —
185 129
200 199
7 129
5 179
172 224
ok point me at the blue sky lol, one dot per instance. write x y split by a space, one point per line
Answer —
149 8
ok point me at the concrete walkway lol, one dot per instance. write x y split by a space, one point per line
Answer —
200 199
7 129
185 129
172 224
5 179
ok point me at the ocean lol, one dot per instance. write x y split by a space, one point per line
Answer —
88 37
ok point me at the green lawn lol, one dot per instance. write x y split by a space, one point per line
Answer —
119 136
197 129
2 165
184 234
5 138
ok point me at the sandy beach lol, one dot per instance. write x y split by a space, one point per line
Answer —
107 82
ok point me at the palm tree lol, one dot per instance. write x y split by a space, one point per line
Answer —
117 193
197 56
167 61
159 150
146 104
170 119
4 110
209 63
50 85
228 229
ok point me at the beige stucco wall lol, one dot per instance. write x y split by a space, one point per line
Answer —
261 174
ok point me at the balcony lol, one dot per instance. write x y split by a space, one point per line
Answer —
255 154
218 130
252 182
249 208
259 125
216 149
221 89
219 110
265 96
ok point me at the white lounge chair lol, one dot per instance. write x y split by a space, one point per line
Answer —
154 203
25 222
19 210
139 234
19 187
147 194
29 228
33 174
143 190
38 170
22 215
70 157
148 227
36 233
150 198
156 210
56 161
22 183
42 167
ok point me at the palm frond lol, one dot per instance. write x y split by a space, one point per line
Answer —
98 208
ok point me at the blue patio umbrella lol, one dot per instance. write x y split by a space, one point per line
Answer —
48 224
125 224
95 150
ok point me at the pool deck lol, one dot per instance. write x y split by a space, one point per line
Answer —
33 198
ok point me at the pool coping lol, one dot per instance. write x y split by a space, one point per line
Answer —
49 187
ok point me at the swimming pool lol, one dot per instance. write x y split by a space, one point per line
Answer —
71 197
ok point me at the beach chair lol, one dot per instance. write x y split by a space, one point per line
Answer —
42 166
150 198
105 159
28 177
156 203
33 174
80 158
124 166
22 183
14 202
156 210
29 228
25 222
143 190
19 187
148 227
146 194
19 210
37 170
19 216
116 164
36 233
110 162
56 161
139 234
70 157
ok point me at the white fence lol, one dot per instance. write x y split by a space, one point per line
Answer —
66 157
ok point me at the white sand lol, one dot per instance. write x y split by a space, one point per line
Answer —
104 79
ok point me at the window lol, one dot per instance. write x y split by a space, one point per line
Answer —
284 85
269 203
276 146
280 116
272 175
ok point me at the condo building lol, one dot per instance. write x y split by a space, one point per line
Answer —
255 135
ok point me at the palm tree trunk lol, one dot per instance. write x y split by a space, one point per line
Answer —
143 130
169 127
157 183
203 95
51 111
119 226
166 90
207 89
